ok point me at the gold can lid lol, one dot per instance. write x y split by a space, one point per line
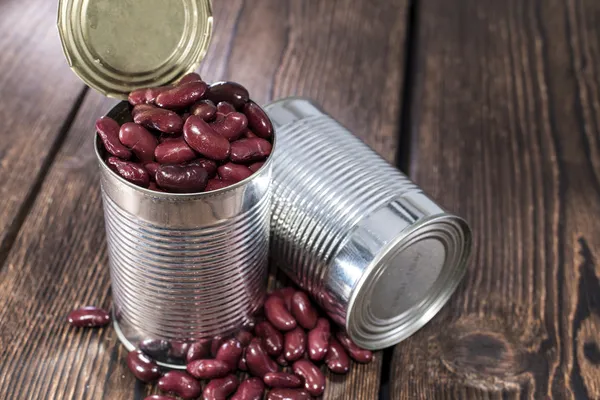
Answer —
116 46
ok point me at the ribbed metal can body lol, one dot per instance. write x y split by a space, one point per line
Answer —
371 248
185 267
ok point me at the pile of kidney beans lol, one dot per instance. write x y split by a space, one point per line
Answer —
189 137
281 350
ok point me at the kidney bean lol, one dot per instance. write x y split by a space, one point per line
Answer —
198 350
283 380
182 178
272 338
202 138
286 294
314 380
174 151
230 352
220 389
246 150
215 184
139 140
152 167
234 172
179 349
337 359
191 77
208 369
108 130
155 348
146 95
258 361
88 317
244 337
182 95
277 313
230 92
303 311
294 344
224 108
242 364
157 118
152 186
318 340
216 345
248 134
256 166
281 360
209 165
159 397
231 126
181 384
250 389
130 171
288 394
258 121
140 108
142 366
356 353
205 109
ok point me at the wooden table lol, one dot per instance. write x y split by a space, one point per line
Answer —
492 106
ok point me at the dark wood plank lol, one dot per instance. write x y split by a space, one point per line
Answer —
505 123
59 260
38 91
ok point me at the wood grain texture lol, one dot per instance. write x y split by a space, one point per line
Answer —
59 260
38 91
505 133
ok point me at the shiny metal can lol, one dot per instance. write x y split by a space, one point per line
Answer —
377 254
184 267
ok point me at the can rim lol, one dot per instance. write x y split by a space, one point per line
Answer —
119 108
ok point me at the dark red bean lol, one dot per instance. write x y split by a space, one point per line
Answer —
294 344
247 150
230 92
250 389
277 313
209 165
179 349
272 338
205 109
242 364
202 138
283 380
191 77
182 95
152 186
155 348
182 178
224 108
88 317
152 167
281 360
181 384
208 369
303 310
256 166
130 171
174 151
356 353
146 95
230 352
158 118
216 344
216 184
258 361
234 172
288 394
140 108
139 140
142 366
337 359
286 294
314 380
318 340
108 130
220 389
244 337
231 126
258 121
198 350
248 134
159 397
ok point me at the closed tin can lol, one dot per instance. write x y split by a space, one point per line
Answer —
378 255
184 267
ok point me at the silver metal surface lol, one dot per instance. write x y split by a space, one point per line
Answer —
184 266
373 250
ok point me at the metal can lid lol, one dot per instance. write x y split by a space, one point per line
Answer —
117 46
